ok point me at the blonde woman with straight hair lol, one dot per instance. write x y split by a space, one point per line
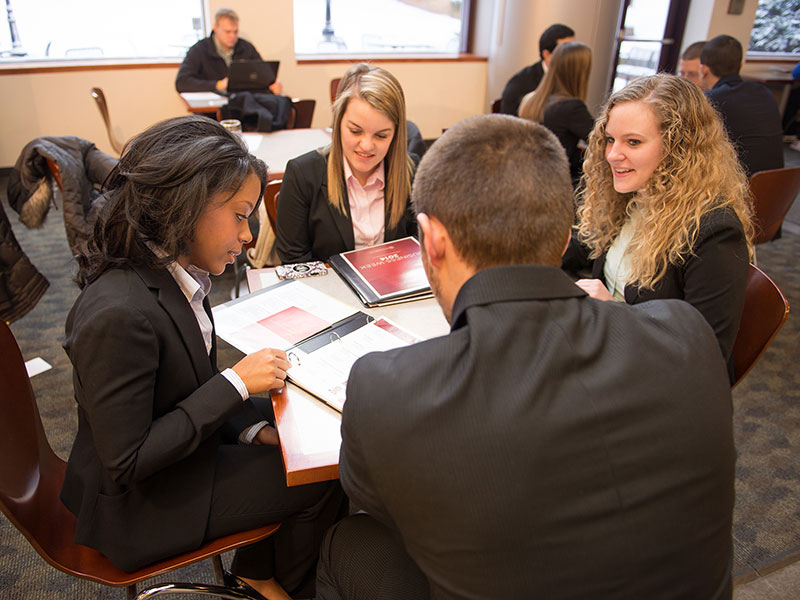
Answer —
559 103
354 193
664 207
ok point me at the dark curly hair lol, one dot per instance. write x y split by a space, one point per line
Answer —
157 192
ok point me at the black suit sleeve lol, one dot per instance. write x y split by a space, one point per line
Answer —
715 279
115 354
191 74
293 239
580 121
354 468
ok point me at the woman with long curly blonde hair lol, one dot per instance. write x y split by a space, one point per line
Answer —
664 205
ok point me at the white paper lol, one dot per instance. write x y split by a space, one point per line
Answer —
269 318
253 141
37 365
325 371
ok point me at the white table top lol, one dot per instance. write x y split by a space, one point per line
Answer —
310 430
278 147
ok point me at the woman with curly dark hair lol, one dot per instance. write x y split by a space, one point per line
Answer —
171 453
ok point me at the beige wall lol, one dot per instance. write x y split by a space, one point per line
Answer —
518 24
438 94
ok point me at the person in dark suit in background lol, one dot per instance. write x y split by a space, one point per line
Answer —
665 210
205 66
544 448
749 111
170 452
526 80
354 193
559 103
689 65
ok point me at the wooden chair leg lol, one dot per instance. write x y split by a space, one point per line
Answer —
130 592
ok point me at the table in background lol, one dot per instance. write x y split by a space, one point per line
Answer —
203 102
278 147
309 430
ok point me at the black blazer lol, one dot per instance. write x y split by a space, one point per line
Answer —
309 228
570 121
523 81
551 446
713 278
151 410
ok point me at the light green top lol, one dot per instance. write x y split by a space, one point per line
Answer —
617 268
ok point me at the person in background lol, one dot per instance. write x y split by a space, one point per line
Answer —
790 122
664 211
551 445
689 65
748 109
205 66
528 79
170 453
355 192
559 103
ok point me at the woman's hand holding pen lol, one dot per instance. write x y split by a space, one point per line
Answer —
263 370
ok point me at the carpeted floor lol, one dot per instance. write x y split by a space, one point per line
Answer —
767 419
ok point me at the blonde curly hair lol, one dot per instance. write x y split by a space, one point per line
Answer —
698 173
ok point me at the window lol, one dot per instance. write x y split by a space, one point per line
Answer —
99 29
776 29
377 27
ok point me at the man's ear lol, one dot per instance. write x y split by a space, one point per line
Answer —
432 238
569 238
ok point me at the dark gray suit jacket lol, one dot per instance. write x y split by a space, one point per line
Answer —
151 407
309 228
551 445
753 122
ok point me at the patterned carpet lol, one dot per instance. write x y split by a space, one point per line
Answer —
767 420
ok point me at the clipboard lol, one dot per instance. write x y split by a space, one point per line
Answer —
321 364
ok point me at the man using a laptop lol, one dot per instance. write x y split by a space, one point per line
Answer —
205 67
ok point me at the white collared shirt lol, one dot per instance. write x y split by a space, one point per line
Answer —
195 284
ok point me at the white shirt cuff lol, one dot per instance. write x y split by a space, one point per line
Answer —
236 382
248 435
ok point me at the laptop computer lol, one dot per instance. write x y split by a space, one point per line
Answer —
251 75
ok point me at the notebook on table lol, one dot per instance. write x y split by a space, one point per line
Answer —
385 274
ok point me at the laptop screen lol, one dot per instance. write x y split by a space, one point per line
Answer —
251 75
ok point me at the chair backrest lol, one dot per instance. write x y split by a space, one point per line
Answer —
773 192
30 472
102 105
496 105
302 113
30 486
271 202
765 311
334 88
